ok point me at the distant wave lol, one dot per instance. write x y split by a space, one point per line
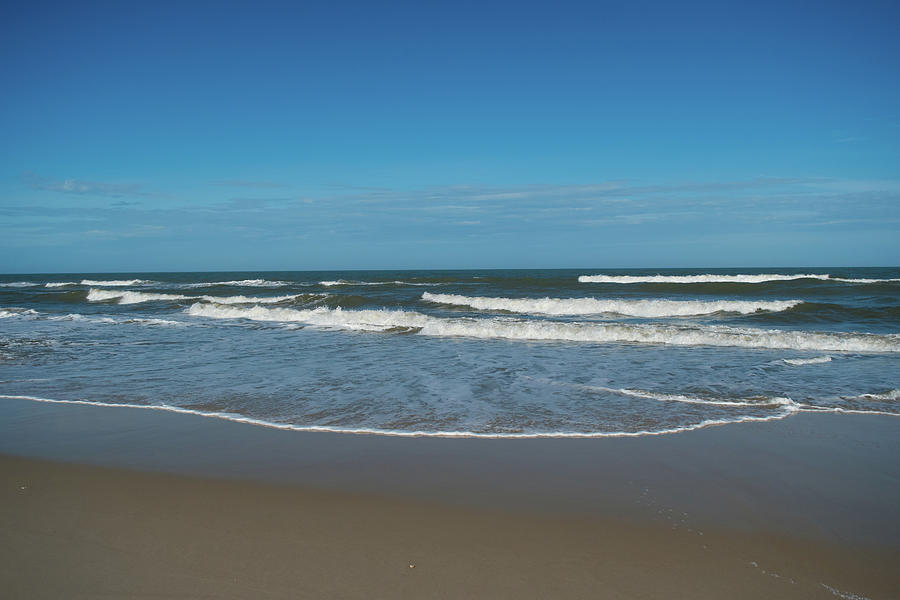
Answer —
807 361
394 282
630 308
115 282
128 282
128 297
241 283
712 278
514 329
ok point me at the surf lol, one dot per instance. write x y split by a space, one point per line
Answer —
558 331
628 308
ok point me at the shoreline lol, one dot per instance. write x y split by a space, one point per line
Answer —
813 458
790 409
813 498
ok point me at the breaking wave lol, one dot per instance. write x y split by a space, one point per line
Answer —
242 283
518 329
395 282
128 297
629 308
115 282
712 278
124 297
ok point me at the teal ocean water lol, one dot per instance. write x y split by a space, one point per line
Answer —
461 353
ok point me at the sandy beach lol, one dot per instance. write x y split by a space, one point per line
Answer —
165 505
507 300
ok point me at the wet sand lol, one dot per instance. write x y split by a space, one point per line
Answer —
129 503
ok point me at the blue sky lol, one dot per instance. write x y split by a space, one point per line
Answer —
262 135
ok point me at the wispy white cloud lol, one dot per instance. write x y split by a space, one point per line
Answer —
84 187
131 232
610 211
246 183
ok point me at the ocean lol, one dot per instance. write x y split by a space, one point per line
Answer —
474 353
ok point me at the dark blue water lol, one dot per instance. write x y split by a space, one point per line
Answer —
523 352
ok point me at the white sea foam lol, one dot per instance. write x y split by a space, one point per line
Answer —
516 329
845 280
115 282
629 308
129 297
154 322
714 278
116 321
80 317
889 395
18 284
845 411
807 361
844 595
53 284
419 433
786 403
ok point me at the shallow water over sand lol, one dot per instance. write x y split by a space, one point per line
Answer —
542 353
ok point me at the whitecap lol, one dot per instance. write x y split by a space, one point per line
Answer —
127 297
716 278
115 282
242 283
703 278
629 308
253 299
130 297
393 282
